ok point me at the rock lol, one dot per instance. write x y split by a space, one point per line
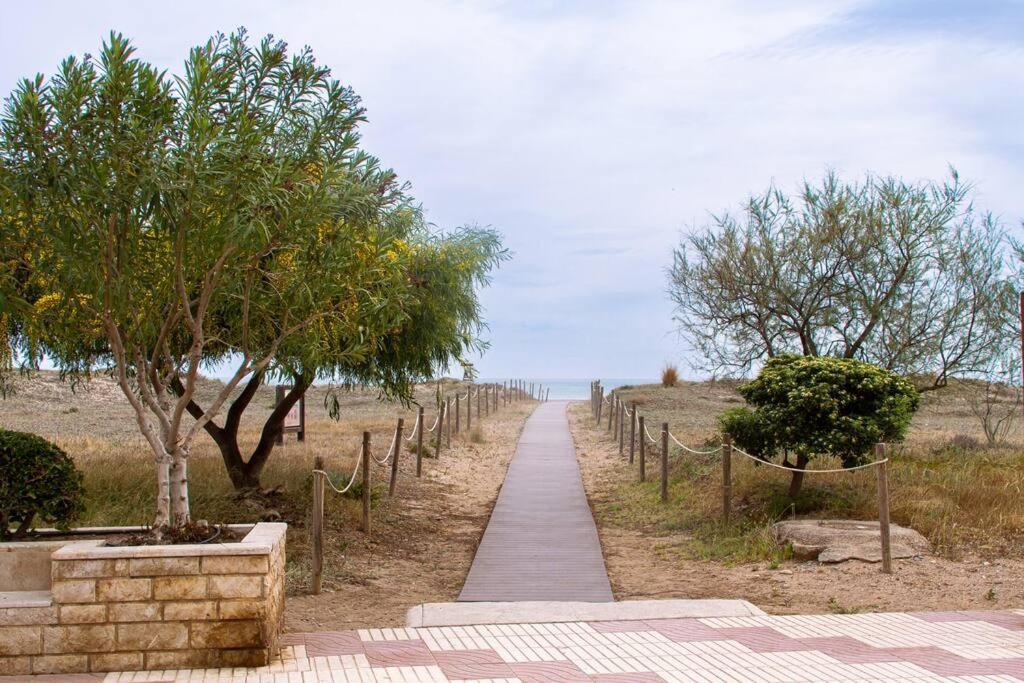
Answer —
838 540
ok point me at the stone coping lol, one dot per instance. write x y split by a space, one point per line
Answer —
260 540
25 599
534 612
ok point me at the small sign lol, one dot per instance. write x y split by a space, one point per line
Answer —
295 419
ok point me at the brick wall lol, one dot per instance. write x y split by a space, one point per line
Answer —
152 607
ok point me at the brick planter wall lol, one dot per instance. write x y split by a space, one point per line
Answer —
152 607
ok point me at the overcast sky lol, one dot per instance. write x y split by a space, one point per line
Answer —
594 134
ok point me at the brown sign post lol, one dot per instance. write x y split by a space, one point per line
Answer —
295 420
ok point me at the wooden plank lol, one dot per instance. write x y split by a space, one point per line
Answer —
541 541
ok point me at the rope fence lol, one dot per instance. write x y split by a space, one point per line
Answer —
619 414
488 397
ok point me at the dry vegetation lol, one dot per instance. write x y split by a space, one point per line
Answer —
965 500
421 543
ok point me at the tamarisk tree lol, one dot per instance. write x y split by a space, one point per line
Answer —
162 212
907 276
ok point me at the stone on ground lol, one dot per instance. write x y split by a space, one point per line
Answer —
838 540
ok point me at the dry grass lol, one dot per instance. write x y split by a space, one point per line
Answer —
97 428
669 376
961 499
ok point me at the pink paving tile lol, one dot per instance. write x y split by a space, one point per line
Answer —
398 653
644 677
685 629
329 643
443 657
620 626
541 672
477 670
946 663
1009 620
848 650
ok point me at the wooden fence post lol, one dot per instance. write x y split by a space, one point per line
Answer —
883 508
611 410
479 391
494 394
440 432
469 408
447 423
547 394
419 444
622 426
504 392
664 462
458 413
632 433
727 478
643 448
318 524
600 405
366 482
487 400
392 485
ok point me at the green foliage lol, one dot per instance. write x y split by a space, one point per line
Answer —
823 406
38 483
748 431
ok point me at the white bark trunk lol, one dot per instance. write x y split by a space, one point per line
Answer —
180 512
163 493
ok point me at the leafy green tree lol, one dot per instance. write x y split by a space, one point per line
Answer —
908 276
175 221
813 406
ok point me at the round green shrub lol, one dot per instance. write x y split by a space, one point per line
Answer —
38 483
809 406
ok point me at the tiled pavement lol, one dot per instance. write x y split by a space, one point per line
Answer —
952 646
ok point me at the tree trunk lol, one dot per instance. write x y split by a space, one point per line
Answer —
180 513
245 474
163 492
797 482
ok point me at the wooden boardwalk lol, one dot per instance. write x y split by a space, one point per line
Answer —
541 542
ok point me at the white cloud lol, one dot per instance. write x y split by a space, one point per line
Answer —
593 133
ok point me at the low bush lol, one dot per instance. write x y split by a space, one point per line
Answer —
669 376
38 483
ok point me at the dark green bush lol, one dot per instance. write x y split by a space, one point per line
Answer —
808 406
38 483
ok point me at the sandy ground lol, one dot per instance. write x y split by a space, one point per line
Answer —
644 564
421 548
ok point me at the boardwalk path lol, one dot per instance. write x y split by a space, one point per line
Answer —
541 542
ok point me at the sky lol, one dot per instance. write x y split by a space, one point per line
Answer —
595 134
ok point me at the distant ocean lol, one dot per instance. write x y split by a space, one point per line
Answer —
572 389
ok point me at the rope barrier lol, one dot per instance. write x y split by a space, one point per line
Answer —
351 481
415 424
838 470
687 448
391 452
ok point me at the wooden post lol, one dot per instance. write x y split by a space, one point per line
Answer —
643 448
727 478
547 394
883 508
504 393
600 405
393 484
366 482
664 462
440 432
317 530
469 408
494 393
419 444
479 392
622 426
632 433
487 400
447 423
611 410
458 413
